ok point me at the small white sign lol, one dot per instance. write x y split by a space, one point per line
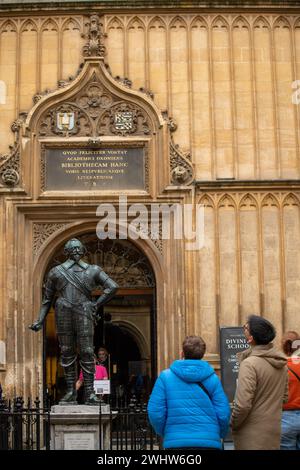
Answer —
79 441
102 387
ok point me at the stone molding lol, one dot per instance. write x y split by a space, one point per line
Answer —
10 162
42 231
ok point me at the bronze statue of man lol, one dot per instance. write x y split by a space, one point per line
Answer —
73 282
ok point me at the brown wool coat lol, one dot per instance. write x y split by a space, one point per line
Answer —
261 391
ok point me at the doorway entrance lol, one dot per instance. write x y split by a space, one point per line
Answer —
127 325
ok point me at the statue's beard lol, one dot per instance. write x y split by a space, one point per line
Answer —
76 257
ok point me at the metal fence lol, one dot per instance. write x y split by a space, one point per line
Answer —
129 426
28 427
24 427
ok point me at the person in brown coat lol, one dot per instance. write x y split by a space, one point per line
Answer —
261 389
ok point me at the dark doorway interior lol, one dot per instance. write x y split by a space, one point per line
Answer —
122 350
126 331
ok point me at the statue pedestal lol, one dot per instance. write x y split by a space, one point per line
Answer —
76 427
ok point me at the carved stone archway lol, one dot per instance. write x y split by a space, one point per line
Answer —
138 337
135 264
120 259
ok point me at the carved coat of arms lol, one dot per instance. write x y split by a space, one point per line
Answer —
65 121
123 121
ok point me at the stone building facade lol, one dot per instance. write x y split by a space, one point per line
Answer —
214 91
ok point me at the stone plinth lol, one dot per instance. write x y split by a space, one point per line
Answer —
76 427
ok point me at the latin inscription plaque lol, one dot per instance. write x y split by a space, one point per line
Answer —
113 168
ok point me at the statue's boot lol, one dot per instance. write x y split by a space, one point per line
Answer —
70 398
89 394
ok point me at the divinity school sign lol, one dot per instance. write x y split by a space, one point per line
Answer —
232 341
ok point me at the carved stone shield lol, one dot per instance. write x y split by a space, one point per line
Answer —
65 121
124 121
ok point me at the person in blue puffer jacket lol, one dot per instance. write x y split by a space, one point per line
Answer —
186 414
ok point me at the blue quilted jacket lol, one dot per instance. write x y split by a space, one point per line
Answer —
182 413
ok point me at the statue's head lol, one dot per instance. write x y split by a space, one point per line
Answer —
74 249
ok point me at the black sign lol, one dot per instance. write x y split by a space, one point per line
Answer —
232 341
113 168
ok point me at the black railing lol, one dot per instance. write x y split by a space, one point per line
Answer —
129 427
123 426
24 427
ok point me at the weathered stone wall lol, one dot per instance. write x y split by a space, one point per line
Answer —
34 54
226 78
250 263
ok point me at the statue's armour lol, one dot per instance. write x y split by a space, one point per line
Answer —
74 310
90 275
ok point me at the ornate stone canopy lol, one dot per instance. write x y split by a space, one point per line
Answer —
91 108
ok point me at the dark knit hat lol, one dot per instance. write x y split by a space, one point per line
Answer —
262 330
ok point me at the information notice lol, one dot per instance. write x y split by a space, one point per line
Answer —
69 169
232 341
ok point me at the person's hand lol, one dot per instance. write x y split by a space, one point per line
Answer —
78 384
36 326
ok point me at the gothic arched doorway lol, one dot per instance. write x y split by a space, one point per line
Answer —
127 328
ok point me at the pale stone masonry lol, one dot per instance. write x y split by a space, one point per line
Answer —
225 72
